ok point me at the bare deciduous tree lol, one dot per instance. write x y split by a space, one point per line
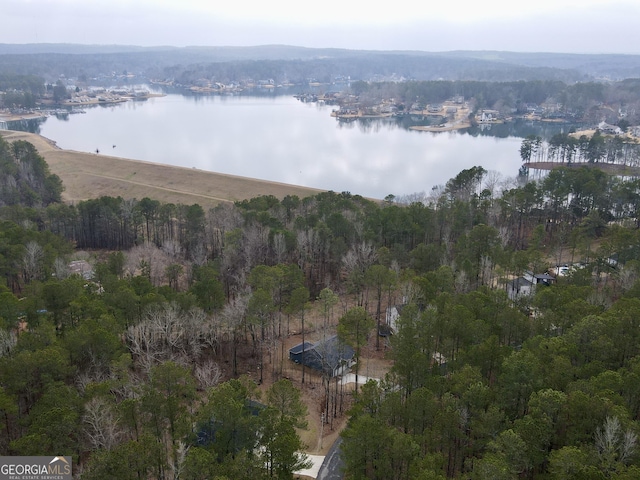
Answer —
207 374
32 261
307 245
356 222
60 268
8 340
172 248
167 333
141 340
155 259
255 245
613 445
220 220
177 464
416 197
360 257
279 247
210 332
492 181
102 428
199 254
462 284
356 262
626 277
233 317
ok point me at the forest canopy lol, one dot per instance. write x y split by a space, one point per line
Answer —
25 179
127 325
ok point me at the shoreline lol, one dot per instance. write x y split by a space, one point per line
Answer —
609 168
88 176
14 117
441 128
87 102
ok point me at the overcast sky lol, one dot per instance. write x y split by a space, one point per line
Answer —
576 26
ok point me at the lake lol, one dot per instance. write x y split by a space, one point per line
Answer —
281 139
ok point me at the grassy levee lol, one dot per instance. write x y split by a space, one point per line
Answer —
87 175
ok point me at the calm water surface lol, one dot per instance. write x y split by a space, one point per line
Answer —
281 139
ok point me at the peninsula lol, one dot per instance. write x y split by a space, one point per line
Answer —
88 175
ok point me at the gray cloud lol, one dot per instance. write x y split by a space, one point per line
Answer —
603 29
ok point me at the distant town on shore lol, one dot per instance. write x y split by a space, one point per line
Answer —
441 91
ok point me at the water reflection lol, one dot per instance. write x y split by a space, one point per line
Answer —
278 138
31 125
520 128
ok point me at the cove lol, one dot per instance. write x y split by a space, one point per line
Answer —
280 139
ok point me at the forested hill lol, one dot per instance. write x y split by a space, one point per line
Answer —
126 326
25 179
52 60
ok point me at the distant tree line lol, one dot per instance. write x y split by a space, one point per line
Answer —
293 63
585 101
374 76
566 148
20 90
33 84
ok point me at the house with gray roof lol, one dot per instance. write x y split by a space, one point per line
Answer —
526 285
329 356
